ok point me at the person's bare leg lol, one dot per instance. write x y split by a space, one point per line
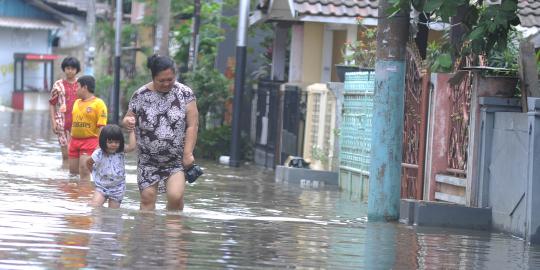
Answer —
64 150
83 170
175 191
73 165
148 197
97 200
113 204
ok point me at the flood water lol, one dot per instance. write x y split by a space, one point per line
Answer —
234 219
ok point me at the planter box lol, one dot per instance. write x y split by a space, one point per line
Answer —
496 86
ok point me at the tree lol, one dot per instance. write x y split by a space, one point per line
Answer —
485 27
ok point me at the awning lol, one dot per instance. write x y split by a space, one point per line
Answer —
26 23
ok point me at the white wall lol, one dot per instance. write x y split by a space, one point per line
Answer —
73 34
20 41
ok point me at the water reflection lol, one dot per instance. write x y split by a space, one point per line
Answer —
234 218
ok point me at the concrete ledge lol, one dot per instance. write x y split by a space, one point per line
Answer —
406 211
444 215
306 176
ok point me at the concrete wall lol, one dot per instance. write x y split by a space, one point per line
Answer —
313 51
438 132
20 41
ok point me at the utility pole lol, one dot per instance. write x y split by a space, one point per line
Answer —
117 53
239 76
388 106
194 44
90 50
162 28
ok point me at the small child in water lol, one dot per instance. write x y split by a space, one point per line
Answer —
107 166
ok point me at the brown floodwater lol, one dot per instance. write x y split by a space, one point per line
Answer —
235 218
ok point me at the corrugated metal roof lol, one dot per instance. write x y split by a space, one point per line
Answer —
26 23
337 8
79 5
529 13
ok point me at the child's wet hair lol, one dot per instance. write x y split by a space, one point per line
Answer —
71 61
88 81
114 133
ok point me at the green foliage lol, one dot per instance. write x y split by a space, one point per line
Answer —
103 86
214 142
209 85
141 78
211 89
264 60
493 27
507 57
438 58
361 52
486 26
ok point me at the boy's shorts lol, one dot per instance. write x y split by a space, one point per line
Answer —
86 146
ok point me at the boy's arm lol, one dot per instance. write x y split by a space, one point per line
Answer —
90 163
132 142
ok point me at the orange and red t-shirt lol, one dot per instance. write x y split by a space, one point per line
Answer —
70 93
88 116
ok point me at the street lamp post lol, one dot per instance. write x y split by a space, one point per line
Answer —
117 52
239 75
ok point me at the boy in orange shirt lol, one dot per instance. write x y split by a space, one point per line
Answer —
89 116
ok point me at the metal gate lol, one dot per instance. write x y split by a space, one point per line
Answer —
414 127
291 114
266 123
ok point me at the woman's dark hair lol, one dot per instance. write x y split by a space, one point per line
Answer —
114 133
157 64
71 62
87 81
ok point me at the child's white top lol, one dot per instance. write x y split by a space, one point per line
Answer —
109 170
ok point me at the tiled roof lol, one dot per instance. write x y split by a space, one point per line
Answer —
529 12
338 8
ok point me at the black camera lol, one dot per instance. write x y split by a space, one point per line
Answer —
193 173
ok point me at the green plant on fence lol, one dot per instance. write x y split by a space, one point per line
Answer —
438 59
507 57
361 52
318 153
486 27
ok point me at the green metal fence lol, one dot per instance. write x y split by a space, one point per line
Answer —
355 132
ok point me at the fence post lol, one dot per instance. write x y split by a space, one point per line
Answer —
533 175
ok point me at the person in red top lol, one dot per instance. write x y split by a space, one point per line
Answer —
63 95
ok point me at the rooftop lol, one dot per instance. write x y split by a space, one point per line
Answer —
529 13
338 8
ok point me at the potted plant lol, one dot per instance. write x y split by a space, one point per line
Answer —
359 54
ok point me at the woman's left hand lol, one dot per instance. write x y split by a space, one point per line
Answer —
188 160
